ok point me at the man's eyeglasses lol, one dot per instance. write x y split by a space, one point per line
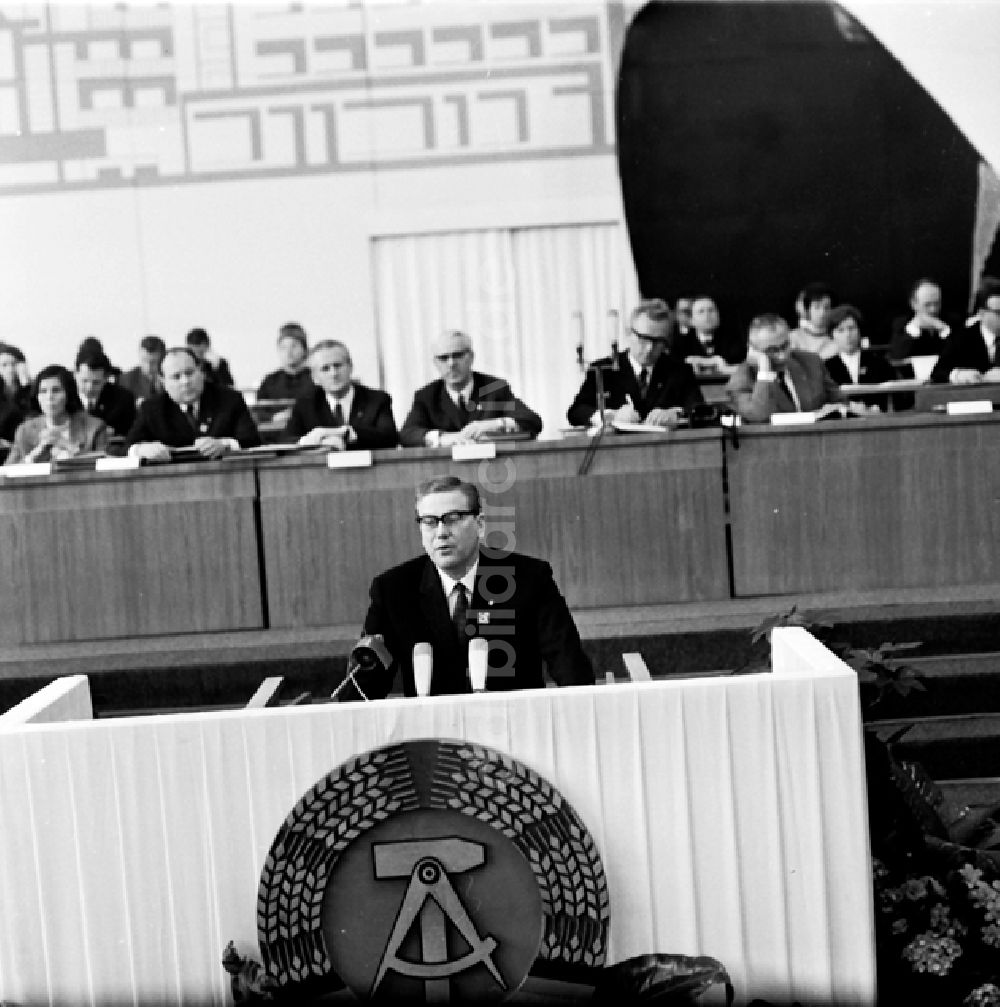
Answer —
777 351
449 520
655 336
443 358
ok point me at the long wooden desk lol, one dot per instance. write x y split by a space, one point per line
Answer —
88 556
645 526
886 502
905 502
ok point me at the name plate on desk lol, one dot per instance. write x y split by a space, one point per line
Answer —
473 452
968 407
117 464
349 460
21 470
792 419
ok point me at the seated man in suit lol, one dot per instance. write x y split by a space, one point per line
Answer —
923 333
971 355
293 378
463 404
336 412
102 398
706 347
190 412
778 379
853 365
216 368
461 589
642 384
144 380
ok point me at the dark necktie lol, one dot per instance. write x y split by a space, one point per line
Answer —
463 408
460 614
643 382
192 416
783 382
338 415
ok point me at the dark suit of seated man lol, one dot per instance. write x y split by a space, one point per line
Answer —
972 354
777 379
337 412
463 404
102 398
643 384
510 600
190 412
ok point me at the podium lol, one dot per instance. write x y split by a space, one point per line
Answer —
728 815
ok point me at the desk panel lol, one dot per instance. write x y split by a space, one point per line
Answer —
645 526
862 504
96 556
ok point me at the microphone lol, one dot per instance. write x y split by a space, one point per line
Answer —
369 654
613 329
479 651
423 668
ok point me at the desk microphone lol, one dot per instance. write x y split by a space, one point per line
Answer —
479 651
423 668
369 654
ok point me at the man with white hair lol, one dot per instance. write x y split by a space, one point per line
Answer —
779 379
463 404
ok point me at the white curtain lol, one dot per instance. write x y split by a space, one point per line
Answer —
525 296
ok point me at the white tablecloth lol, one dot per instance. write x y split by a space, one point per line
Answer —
729 812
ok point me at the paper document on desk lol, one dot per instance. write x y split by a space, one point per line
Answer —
638 428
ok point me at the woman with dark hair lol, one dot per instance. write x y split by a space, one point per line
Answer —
16 377
851 364
10 420
64 428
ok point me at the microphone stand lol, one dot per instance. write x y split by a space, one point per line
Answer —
595 442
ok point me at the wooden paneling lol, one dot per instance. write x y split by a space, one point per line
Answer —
125 554
893 503
645 526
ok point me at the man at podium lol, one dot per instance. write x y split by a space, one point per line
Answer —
463 590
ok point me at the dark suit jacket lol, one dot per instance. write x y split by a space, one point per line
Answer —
756 401
116 406
963 348
731 346
282 385
138 383
492 397
873 370
371 417
671 383
222 412
408 606
218 374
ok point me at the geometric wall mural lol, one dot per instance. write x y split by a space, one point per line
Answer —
98 96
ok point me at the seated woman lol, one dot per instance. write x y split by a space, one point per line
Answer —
64 428
851 365
16 377
10 420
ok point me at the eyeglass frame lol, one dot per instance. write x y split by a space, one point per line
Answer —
450 519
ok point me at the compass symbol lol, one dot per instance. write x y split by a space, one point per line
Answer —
432 903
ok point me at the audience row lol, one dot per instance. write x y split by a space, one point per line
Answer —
182 397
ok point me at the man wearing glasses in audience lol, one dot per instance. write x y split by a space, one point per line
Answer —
642 384
971 355
778 379
463 589
463 405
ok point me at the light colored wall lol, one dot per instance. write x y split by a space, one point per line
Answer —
204 208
